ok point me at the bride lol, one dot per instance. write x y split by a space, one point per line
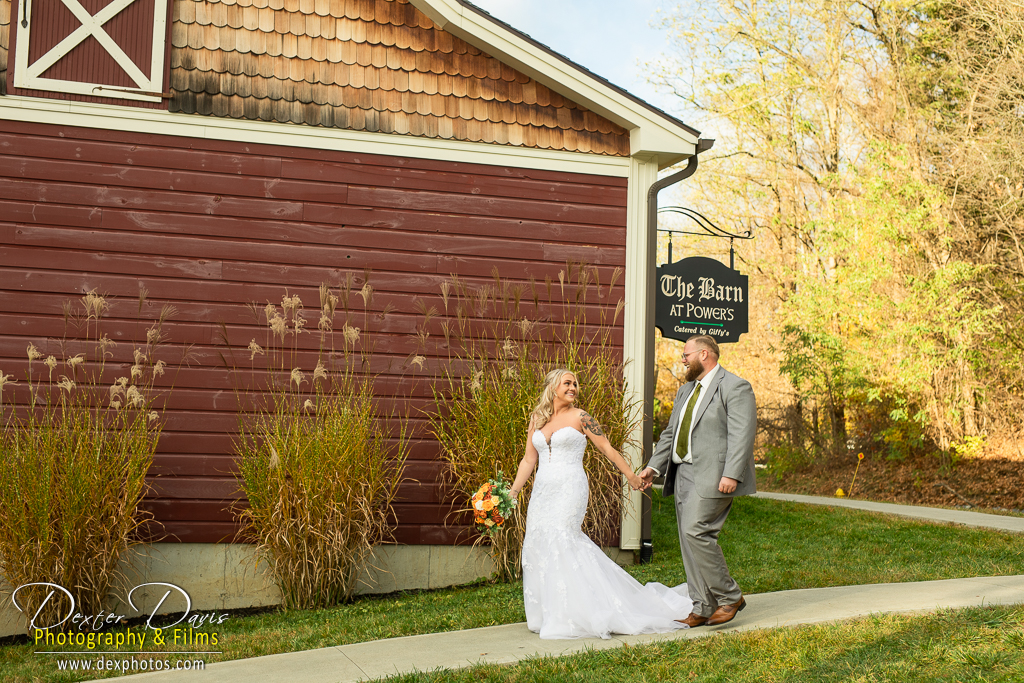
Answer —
571 589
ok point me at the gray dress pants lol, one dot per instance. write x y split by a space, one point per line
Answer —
700 521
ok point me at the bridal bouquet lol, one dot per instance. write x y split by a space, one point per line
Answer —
492 505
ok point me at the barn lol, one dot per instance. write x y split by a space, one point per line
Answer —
219 152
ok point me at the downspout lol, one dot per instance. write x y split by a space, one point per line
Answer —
646 543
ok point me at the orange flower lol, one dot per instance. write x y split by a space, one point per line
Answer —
487 505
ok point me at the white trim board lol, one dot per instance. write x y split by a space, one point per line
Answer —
159 122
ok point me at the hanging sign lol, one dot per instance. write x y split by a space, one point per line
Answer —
700 295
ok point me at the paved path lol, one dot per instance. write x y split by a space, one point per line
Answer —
964 517
514 642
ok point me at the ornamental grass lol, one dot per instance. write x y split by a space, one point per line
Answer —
319 464
74 452
503 338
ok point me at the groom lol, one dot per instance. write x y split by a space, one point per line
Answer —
708 452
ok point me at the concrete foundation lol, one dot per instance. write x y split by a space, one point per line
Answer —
219 577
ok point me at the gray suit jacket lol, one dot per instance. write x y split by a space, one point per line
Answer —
724 427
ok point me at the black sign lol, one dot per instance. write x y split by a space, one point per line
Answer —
700 295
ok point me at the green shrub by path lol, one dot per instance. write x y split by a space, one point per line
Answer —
74 453
503 338
320 467
979 644
816 547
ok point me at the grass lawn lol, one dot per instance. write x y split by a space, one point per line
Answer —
770 546
980 644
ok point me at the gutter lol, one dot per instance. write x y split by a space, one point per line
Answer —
646 543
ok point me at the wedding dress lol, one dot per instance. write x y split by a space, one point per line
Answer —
571 589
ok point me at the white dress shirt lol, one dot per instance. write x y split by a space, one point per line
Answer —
703 384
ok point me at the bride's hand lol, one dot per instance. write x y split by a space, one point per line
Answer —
635 482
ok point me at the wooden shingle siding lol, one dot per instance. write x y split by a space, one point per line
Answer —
210 226
5 42
372 65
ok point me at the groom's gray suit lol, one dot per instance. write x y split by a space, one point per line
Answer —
721 445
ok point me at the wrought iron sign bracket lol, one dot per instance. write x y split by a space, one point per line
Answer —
707 229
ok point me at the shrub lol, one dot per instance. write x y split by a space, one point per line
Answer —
73 460
503 338
319 467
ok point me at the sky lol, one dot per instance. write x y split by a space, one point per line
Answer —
611 38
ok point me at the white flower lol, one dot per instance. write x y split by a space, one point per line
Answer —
33 352
65 383
418 361
367 293
50 362
153 415
298 377
308 405
278 326
275 460
75 361
158 369
351 334
134 397
319 372
254 348
5 379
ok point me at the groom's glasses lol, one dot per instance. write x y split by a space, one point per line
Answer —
687 355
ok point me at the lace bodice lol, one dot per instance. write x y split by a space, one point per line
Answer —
566 448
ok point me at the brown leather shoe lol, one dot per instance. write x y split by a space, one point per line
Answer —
726 613
693 621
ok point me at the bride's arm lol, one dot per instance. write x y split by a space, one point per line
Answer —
592 428
527 464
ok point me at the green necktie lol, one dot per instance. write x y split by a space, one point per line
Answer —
683 442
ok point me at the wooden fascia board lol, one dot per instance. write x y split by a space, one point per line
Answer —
652 137
161 122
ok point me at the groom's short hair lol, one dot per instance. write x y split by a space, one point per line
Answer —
706 342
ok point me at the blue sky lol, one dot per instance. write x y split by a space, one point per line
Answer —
612 38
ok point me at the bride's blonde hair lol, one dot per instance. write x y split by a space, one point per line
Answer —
546 405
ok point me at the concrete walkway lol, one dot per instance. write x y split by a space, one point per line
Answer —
963 517
514 642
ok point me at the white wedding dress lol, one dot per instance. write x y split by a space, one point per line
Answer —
571 589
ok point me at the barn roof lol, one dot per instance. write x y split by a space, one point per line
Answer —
441 69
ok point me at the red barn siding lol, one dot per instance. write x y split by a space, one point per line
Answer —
211 226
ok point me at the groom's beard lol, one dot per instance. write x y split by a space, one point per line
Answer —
694 369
